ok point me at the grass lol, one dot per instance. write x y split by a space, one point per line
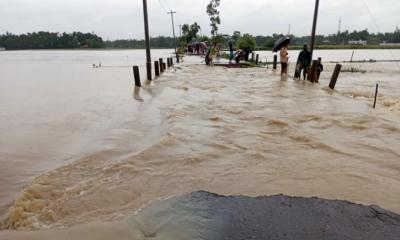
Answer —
353 70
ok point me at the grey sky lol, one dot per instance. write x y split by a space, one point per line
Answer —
113 19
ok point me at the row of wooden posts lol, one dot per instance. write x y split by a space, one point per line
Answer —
334 78
313 72
159 67
256 58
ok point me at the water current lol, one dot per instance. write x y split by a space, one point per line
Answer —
77 146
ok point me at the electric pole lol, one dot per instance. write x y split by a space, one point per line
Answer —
147 39
314 28
173 32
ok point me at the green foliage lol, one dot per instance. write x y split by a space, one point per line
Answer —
246 41
190 31
156 42
204 38
49 40
218 39
236 35
212 11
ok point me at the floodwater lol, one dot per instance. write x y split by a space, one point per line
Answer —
78 146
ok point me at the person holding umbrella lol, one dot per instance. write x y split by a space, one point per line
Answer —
284 59
282 46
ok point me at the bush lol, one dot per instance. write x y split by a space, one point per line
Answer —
246 41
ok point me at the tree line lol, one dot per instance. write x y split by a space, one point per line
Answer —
50 40
155 42
54 40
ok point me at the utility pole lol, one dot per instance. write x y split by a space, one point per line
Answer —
173 32
314 27
147 39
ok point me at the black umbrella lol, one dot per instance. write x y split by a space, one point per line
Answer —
280 43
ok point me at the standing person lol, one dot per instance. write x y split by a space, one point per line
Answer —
320 68
231 53
284 59
304 61
208 54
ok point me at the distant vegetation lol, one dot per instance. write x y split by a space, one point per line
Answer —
49 40
156 42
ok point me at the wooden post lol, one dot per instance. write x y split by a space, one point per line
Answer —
313 71
177 57
164 65
376 94
161 65
257 56
275 61
352 55
252 56
172 61
168 62
156 68
148 68
335 76
136 74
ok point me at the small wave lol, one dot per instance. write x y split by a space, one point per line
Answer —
278 122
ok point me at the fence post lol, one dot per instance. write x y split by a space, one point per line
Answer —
156 68
313 71
177 57
148 68
275 61
335 76
376 94
257 59
136 74
161 65
164 65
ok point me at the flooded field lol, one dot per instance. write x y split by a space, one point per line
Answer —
77 147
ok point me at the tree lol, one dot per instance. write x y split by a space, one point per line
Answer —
190 31
212 11
236 35
218 39
246 41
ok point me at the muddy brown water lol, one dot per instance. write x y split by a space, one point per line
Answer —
91 152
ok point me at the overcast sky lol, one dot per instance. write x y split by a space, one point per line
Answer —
116 19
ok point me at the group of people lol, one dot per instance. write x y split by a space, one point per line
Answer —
302 66
303 62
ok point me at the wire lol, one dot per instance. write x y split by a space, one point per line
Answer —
379 30
162 5
372 16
